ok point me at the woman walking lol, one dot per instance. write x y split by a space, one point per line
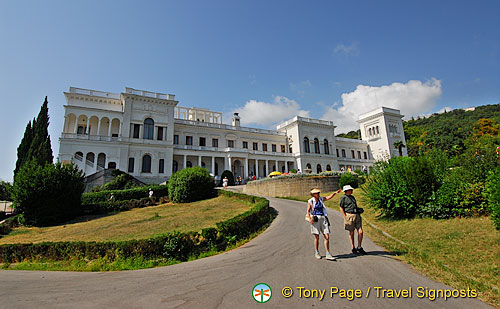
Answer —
318 217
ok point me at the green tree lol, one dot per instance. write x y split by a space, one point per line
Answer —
191 184
5 191
36 141
24 147
399 145
49 194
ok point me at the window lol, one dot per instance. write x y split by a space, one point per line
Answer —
290 149
215 142
337 153
137 128
230 143
370 132
175 166
203 141
255 146
365 156
378 132
79 155
80 130
149 127
189 140
306 145
130 165
176 139
316 145
161 166
328 167
326 146
146 164
318 168
189 164
160 134
282 148
273 147
308 166
245 145
343 153
359 154
352 154
264 147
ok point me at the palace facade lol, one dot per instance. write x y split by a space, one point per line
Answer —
147 135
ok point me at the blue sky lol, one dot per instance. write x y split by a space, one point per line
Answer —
323 59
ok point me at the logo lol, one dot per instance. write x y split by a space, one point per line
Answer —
261 293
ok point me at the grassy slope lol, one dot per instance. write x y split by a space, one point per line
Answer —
136 223
461 252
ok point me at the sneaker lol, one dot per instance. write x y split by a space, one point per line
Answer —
316 255
361 251
330 257
354 251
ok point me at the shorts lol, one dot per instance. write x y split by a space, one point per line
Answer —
321 226
224 185
352 222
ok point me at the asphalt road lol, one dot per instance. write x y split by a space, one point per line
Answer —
281 256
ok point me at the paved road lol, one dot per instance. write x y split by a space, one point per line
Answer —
281 256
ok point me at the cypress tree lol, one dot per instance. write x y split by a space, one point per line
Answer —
24 147
36 141
41 149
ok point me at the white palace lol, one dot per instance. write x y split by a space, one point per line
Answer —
147 135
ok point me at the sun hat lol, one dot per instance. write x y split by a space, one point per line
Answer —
315 190
347 187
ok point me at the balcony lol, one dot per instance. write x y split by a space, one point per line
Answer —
228 127
90 137
150 94
94 93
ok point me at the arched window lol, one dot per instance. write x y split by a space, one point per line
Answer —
343 153
189 164
308 166
101 160
325 144
149 128
90 158
316 145
328 167
306 145
318 168
112 165
370 132
175 166
378 132
79 156
203 164
146 164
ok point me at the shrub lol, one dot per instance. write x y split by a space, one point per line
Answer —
348 179
123 195
191 184
493 194
293 171
5 191
230 178
50 194
121 181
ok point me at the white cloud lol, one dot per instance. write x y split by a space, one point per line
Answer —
347 50
412 99
269 113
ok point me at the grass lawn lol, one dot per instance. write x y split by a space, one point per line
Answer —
135 224
460 252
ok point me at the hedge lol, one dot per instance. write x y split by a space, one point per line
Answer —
114 206
122 195
174 245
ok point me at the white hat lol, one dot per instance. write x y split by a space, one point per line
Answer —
347 187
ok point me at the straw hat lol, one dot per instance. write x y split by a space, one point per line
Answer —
315 190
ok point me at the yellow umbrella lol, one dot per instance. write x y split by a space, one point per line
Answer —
275 173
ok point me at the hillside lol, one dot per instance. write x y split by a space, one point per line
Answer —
447 131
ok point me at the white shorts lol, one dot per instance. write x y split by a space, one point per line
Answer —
224 184
321 226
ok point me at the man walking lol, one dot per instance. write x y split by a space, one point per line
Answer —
352 218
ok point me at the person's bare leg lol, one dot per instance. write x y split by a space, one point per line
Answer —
360 237
316 242
327 242
351 238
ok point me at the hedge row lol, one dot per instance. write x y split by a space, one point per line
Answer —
114 206
173 245
123 195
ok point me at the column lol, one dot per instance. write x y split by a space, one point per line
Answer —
109 128
267 168
213 165
98 127
184 157
120 129
88 126
277 169
230 165
199 161
140 132
256 169
76 126
246 168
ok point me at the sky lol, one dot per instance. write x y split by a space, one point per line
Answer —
267 60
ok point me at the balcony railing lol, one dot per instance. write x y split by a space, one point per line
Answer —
94 93
91 137
150 94
228 127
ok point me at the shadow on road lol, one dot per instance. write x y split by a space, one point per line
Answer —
377 253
